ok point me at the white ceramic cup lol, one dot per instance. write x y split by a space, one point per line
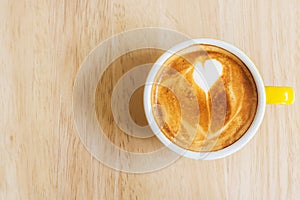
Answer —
227 150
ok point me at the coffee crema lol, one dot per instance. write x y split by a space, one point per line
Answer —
200 120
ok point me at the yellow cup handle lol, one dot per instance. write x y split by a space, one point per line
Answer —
279 95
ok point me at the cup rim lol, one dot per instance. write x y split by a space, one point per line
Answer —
241 142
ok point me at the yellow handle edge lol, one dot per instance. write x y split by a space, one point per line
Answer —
279 95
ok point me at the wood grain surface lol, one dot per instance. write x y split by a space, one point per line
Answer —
42 45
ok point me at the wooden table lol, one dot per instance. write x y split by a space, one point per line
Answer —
42 45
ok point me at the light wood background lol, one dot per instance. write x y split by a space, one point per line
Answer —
43 43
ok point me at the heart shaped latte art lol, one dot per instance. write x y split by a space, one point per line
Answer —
205 76
207 99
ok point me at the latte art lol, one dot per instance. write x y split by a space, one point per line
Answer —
206 75
204 100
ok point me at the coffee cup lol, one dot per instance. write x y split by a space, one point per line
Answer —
205 99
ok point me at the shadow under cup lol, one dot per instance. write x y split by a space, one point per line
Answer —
119 102
221 115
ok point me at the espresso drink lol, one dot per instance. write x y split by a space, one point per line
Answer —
207 112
